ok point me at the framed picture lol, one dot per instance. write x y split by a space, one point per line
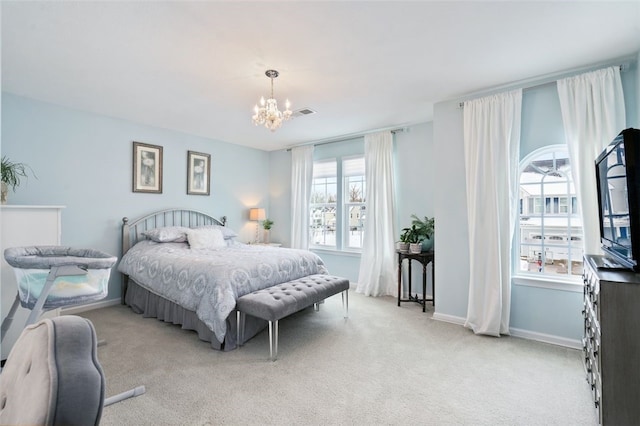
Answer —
198 173
147 168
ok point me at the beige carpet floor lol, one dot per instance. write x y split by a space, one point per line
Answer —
384 365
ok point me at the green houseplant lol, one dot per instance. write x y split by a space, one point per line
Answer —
425 228
403 243
412 237
420 233
12 174
266 225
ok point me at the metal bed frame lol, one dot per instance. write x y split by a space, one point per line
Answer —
132 231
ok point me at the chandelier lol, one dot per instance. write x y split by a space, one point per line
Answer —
268 113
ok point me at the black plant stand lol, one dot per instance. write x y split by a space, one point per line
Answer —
424 258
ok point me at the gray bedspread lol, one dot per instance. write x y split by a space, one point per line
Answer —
208 282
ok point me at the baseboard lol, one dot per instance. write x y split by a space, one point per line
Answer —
89 307
546 338
520 333
449 318
515 332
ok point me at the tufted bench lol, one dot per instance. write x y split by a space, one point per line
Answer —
279 301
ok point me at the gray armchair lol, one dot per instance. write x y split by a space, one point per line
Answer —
52 376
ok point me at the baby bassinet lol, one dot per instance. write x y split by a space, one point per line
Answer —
49 277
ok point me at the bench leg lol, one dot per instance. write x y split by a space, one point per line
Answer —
240 316
273 340
345 303
316 306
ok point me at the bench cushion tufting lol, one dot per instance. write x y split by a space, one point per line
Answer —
284 299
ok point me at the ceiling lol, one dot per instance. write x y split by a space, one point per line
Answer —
198 67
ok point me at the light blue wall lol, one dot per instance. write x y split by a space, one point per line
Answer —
452 241
280 196
84 161
415 173
630 83
541 119
535 310
415 177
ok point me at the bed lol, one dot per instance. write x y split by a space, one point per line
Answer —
185 267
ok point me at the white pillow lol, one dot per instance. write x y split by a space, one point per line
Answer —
169 234
226 232
205 238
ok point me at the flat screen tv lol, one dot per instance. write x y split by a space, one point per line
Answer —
618 177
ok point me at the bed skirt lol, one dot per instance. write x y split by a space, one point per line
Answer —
150 305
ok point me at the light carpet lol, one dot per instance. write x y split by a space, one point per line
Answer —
384 365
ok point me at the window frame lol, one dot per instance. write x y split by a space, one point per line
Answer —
342 227
346 204
567 281
325 204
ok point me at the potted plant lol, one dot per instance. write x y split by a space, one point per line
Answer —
266 225
403 244
413 238
425 229
11 173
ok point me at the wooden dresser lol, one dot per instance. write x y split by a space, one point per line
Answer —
611 342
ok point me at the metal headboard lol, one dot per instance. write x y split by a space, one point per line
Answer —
132 231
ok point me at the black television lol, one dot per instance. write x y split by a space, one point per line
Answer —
618 185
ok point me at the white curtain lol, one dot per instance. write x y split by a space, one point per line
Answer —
377 263
593 114
491 148
301 179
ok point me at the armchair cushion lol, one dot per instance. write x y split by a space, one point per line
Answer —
52 375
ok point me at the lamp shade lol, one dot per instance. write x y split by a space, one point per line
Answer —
257 214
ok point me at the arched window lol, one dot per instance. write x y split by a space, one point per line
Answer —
550 228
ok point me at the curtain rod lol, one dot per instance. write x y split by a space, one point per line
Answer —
542 81
348 137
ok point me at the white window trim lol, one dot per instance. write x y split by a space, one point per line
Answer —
574 285
350 253
316 164
346 225
340 247
571 283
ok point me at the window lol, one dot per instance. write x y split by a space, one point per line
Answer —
550 228
337 212
354 208
324 204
